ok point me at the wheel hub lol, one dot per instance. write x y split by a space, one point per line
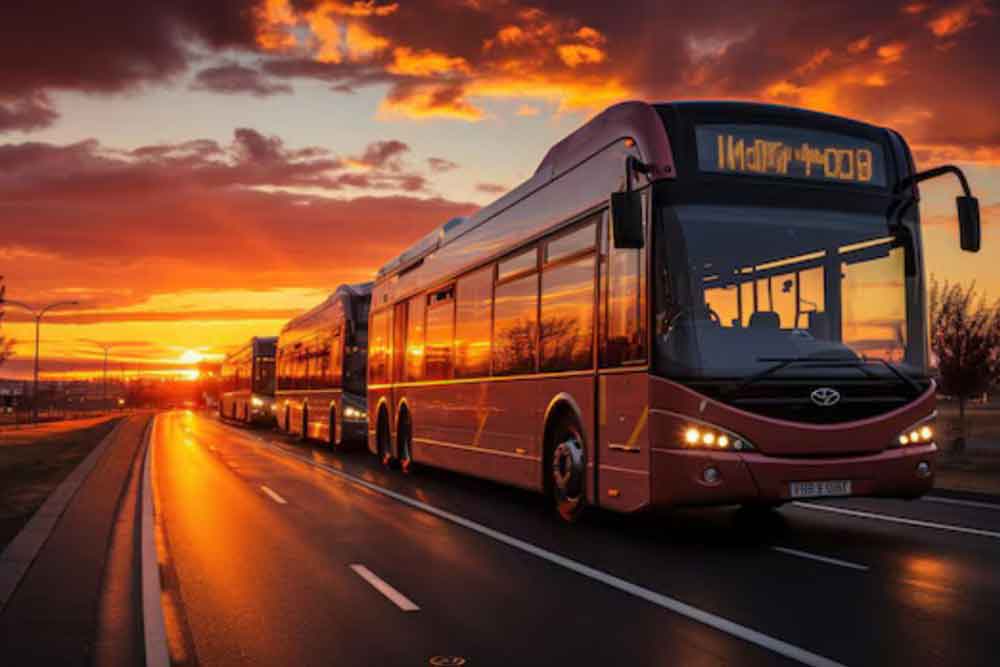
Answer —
567 468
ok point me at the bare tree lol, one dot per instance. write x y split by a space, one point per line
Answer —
965 336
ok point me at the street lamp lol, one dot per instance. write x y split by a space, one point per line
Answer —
104 391
37 314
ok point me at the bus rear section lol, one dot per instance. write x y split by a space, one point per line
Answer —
322 368
248 383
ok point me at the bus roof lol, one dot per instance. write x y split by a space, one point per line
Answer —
321 312
259 345
627 119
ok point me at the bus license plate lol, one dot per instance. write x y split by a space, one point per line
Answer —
837 487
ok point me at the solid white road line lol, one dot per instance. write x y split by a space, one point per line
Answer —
153 626
274 496
397 598
898 519
694 613
821 559
963 503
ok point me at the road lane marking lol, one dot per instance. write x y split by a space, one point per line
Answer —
963 503
274 496
821 559
902 520
379 584
153 623
724 625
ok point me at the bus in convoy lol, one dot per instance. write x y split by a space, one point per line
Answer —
248 383
322 365
689 303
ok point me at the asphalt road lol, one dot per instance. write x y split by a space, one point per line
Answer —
280 553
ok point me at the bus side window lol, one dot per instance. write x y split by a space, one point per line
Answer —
336 356
440 334
474 301
378 348
567 325
515 326
415 339
625 340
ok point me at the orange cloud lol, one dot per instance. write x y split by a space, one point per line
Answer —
891 52
426 63
956 19
274 18
326 33
860 45
362 43
430 101
575 55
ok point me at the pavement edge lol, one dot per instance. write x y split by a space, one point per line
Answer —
20 553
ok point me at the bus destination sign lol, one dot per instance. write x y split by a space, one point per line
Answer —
789 152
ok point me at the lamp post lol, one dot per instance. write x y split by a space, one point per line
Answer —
37 314
104 390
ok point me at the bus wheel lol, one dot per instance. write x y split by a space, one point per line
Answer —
288 419
404 442
384 440
567 469
246 413
305 424
332 437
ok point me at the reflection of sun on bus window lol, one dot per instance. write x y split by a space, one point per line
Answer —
874 315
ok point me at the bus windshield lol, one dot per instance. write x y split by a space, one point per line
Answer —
744 288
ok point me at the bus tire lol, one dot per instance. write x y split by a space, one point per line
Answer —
383 440
332 437
288 419
246 413
566 466
404 441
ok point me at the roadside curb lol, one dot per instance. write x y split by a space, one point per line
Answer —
971 496
153 626
16 559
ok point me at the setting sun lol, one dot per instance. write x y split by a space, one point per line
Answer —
191 357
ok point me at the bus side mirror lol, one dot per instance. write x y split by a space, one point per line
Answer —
968 223
626 219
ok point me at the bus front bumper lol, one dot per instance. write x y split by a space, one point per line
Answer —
684 477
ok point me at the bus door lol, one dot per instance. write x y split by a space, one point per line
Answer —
622 391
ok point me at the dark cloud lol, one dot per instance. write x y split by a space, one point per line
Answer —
183 216
491 188
31 111
383 154
237 79
440 164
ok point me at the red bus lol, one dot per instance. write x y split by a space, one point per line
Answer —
690 303
322 362
248 382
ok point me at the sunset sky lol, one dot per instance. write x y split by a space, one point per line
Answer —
198 172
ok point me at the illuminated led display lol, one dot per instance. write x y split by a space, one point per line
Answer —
789 152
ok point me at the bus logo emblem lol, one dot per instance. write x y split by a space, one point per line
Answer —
825 397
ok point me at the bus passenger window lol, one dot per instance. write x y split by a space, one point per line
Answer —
336 357
626 310
440 335
515 328
567 330
415 339
472 324
378 349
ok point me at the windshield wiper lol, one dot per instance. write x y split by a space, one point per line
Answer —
820 362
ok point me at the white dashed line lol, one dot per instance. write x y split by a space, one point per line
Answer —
385 589
274 496
720 623
902 520
821 559
964 503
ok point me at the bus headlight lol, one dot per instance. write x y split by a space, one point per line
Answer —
256 402
920 433
703 436
354 414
